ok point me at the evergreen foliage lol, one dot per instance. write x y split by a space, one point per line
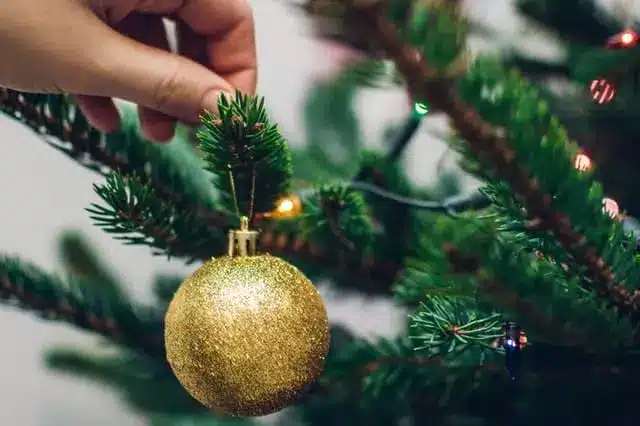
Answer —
240 144
543 253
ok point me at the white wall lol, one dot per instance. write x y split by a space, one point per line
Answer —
44 193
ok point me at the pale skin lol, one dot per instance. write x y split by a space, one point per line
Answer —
98 50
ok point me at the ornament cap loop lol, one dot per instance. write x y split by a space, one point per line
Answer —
243 241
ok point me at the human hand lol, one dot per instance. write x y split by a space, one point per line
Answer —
103 49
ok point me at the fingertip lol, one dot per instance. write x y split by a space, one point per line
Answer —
211 99
100 112
156 126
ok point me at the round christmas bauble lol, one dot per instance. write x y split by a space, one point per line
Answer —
246 335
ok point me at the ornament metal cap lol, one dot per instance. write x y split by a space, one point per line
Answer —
243 241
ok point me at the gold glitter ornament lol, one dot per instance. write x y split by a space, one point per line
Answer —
246 334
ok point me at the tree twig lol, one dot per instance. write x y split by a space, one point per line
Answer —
116 319
463 263
91 143
491 143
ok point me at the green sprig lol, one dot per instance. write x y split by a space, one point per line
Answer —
135 215
246 153
453 325
337 215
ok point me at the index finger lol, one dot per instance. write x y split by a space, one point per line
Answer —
229 29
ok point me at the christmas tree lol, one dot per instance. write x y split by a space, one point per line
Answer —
523 297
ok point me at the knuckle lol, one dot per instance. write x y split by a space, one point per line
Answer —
167 88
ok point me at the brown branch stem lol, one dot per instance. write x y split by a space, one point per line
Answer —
91 143
491 144
59 309
369 274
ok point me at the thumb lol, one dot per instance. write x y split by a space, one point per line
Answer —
160 80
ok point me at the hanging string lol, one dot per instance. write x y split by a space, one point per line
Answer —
400 141
252 194
234 194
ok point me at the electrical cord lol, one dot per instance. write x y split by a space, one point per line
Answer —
404 136
400 141
451 206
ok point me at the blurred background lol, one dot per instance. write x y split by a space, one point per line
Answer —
44 193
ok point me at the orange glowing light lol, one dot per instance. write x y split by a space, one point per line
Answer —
285 206
288 206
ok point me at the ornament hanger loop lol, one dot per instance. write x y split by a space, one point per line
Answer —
243 241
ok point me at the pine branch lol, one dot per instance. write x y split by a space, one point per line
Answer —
461 263
136 216
80 259
71 301
372 274
54 116
491 143
145 385
451 327
247 154
387 369
336 216
57 120
61 125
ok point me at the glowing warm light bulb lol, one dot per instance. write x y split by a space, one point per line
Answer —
288 206
611 207
627 38
582 163
285 206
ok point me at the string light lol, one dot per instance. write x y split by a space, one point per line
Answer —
289 206
623 40
583 162
611 207
628 37
285 206
420 108
602 91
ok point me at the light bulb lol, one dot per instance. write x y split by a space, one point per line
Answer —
420 108
627 38
582 163
288 206
611 207
285 206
